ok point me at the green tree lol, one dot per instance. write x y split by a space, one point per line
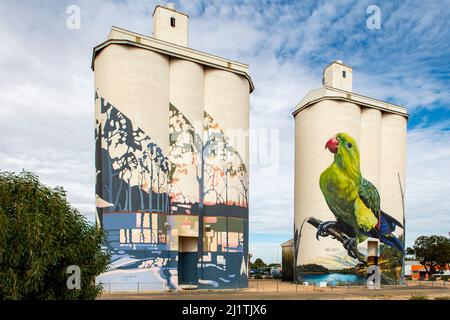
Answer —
258 264
312 268
41 235
432 252
390 261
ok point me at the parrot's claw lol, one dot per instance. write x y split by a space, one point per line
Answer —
322 229
349 245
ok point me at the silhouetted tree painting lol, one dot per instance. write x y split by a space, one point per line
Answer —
135 170
225 173
185 159
201 174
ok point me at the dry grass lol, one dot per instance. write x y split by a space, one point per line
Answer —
418 296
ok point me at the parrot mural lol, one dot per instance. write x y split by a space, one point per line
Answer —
354 201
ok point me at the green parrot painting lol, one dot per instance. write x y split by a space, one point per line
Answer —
354 201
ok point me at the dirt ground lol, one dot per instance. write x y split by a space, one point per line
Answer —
277 290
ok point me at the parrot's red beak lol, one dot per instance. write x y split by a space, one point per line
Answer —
332 145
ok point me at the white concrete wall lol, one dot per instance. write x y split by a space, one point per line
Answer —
393 158
333 76
227 101
136 81
370 146
187 88
163 30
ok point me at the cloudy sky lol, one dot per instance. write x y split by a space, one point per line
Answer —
46 89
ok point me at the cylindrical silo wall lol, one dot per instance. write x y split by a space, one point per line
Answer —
381 141
226 148
185 131
314 126
370 145
393 161
133 84
136 81
132 89
225 180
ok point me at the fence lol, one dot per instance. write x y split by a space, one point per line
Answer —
133 287
261 286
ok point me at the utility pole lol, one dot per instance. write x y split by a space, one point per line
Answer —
402 275
277 256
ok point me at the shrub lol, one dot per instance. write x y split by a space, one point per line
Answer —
41 235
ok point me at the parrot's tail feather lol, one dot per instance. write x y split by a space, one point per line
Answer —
392 241
387 224
391 220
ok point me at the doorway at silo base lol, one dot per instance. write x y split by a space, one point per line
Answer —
187 264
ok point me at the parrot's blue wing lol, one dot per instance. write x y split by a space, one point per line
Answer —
386 223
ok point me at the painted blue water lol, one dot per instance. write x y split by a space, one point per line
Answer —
333 278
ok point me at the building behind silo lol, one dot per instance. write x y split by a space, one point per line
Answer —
171 160
379 129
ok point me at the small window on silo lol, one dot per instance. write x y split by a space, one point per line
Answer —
172 22
344 74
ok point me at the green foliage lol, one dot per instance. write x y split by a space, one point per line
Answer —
312 268
274 265
345 271
418 296
258 264
390 261
41 235
433 252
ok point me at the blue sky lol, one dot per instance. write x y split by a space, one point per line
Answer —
46 89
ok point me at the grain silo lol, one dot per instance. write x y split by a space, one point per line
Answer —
364 140
171 159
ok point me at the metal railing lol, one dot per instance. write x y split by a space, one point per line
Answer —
260 286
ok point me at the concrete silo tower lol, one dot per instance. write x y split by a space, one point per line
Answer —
172 171
378 129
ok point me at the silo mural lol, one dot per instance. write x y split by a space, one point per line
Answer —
172 184
145 209
358 215
349 180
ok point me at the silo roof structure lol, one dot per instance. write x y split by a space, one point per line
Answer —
125 37
330 93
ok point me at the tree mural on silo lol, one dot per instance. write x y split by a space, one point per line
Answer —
226 178
185 163
134 169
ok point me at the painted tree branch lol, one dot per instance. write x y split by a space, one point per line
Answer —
339 236
342 237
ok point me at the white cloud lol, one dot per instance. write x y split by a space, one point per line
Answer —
428 182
